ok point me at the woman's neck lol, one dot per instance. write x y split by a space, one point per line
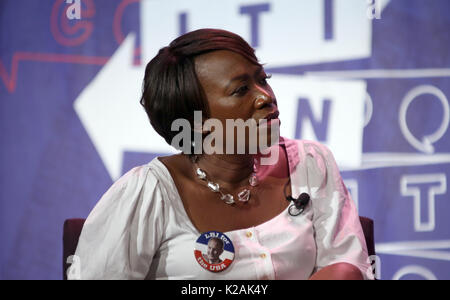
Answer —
231 171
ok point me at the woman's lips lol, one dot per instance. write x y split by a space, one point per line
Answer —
270 118
273 115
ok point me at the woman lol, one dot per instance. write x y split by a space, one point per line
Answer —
149 222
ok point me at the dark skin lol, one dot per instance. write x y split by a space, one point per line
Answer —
235 89
231 99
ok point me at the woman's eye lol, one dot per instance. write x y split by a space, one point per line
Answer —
264 79
241 90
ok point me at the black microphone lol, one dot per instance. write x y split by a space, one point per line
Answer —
299 203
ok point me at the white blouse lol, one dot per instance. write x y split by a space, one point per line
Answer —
140 230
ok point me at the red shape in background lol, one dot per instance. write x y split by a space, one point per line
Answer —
117 28
10 81
86 27
117 23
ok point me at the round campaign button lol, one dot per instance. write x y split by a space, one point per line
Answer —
214 251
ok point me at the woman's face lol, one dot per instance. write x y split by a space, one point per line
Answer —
236 89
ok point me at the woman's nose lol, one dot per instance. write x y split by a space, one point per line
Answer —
263 100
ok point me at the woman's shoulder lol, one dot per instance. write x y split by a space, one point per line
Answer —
137 176
307 145
121 232
139 184
156 172
300 150
136 193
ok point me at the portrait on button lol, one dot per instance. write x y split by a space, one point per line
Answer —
214 251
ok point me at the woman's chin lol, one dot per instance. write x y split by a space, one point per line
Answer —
269 134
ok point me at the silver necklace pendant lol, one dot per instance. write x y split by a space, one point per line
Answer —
244 195
253 180
201 174
227 198
213 186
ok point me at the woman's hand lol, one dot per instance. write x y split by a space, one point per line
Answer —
338 271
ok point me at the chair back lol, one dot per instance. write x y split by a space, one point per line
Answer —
367 227
71 234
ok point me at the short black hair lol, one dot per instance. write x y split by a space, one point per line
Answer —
171 89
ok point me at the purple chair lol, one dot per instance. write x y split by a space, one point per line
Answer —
71 234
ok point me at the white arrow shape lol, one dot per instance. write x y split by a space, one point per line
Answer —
423 249
383 3
110 111
109 106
